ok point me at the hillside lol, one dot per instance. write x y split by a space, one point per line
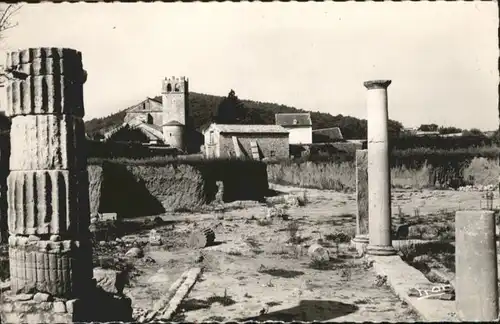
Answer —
201 107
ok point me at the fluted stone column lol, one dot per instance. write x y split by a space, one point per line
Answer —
48 203
362 237
379 183
476 282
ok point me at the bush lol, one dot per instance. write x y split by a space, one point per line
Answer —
482 171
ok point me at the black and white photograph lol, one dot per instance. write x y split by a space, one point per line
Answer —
249 162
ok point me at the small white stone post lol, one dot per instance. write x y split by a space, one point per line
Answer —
476 266
379 176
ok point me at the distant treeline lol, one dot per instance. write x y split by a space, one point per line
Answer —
438 142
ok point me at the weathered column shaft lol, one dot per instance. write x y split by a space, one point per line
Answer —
476 266
362 237
362 192
48 203
379 185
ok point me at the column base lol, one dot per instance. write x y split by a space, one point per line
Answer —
381 250
100 307
360 242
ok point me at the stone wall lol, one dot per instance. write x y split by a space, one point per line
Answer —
268 143
134 189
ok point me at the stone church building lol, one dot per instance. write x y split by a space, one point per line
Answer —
163 120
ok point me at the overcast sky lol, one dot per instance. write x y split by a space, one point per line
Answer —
441 57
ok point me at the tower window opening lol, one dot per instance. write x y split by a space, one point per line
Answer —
169 87
177 88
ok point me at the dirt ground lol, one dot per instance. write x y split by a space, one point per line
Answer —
260 270
253 272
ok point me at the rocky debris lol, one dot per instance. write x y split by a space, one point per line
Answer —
490 187
42 297
199 258
318 253
201 238
108 217
148 260
135 252
278 211
155 238
288 199
21 297
109 280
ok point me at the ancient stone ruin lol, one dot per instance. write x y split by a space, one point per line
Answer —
362 237
48 206
379 185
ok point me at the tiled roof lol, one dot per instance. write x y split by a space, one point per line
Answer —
332 132
151 132
233 128
299 119
173 123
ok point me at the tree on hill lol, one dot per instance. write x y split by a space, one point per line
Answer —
204 108
229 109
449 130
473 132
428 128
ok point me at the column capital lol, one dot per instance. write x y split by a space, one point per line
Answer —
377 84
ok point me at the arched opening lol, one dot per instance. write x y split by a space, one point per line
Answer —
177 87
169 87
149 119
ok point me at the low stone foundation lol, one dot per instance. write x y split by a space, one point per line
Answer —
40 308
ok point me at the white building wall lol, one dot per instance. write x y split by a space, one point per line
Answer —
300 135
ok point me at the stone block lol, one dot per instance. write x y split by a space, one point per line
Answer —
44 94
42 297
48 142
15 58
155 238
61 269
59 307
46 61
110 280
71 304
48 202
32 312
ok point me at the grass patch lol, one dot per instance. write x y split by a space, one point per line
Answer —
429 255
415 168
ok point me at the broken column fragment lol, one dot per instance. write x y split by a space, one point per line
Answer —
201 238
50 251
476 279
48 165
